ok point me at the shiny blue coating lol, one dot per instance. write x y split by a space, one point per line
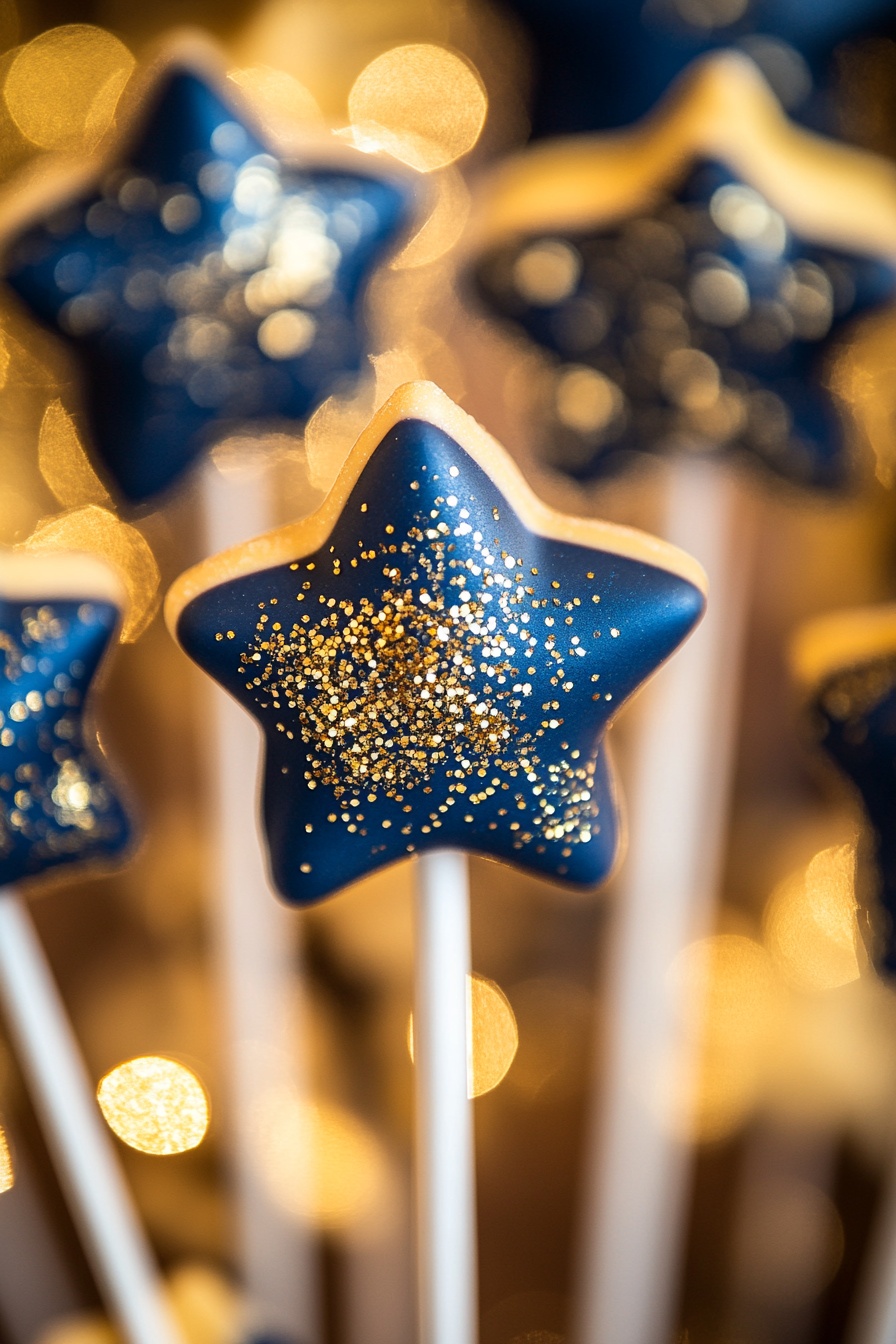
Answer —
204 285
57 803
437 676
853 715
709 322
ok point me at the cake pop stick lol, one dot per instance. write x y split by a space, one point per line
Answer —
202 283
434 656
846 664
57 807
688 275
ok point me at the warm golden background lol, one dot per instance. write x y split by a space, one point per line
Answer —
796 1120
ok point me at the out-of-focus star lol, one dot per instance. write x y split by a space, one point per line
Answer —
201 282
58 614
434 657
847 662
690 277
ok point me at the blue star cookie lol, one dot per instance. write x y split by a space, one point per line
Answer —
58 615
202 283
705 322
434 658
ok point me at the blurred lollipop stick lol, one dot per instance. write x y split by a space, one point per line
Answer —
678 806
446 1202
257 955
76 1134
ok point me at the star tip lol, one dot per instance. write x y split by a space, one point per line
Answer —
841 640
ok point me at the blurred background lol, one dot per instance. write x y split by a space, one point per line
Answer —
794 1130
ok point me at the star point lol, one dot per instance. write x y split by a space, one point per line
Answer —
434 658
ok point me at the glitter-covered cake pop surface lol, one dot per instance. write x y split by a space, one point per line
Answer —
57 803
202 283
703 322
433 673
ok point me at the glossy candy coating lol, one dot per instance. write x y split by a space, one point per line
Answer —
434 673
203 284
707 322
57 803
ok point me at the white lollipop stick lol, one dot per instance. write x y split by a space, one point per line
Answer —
446 1203
257 951
76 1134
638 1177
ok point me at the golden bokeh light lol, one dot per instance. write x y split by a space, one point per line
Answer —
728 986
205 1305
810 923
790 1242
421 103
318 1160
279 100
63 462
63 87
88 1327
547 271
155 1105
99 532
7 1173
492 1036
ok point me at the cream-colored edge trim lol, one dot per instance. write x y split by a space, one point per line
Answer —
45 576
841 640
721 108
425 401
33 192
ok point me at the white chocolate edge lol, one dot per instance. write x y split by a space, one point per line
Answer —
424 401
841 640
720 108
33 192
47 576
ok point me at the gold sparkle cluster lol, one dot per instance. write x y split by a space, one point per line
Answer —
428 684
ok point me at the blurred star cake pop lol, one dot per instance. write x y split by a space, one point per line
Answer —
689 277
434 657
847 661
58 614
200 281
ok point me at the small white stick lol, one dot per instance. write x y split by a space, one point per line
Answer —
874 1314
257 954
446 1199
638 1164
76 1133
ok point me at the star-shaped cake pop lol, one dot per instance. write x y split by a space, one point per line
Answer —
58 615
694 303
434 657
203 283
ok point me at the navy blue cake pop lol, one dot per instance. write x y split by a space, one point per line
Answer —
202 283
698 309
58 805
434 657
849 662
